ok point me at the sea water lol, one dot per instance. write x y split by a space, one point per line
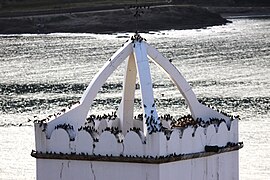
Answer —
227 66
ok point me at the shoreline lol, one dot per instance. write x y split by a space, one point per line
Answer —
241 12
103 20
156 18
239 16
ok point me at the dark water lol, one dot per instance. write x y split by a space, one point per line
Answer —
227 66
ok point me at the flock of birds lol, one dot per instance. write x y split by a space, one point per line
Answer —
152 124
139 10
188 121
137 37
64 126
109 117
182 122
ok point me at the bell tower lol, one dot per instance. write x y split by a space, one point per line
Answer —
201 145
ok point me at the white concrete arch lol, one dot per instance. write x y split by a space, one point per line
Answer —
103 74
126 106
138 53
197 109
77 116
183 155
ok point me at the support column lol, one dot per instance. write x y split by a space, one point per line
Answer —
151 122
126 108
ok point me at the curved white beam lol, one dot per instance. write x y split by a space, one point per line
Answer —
76 117
197 109
175 76
103 74
148 104
126 106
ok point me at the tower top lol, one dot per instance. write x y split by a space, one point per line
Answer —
138 54
71 142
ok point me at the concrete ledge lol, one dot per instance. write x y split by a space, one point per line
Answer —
134 159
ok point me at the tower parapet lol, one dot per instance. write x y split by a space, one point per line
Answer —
118 145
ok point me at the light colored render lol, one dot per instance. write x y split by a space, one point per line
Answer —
77 116
126 106
145 144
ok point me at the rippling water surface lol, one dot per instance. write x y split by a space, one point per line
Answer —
227 66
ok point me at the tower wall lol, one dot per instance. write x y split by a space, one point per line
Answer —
223 167
188 142
179 141
203 145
